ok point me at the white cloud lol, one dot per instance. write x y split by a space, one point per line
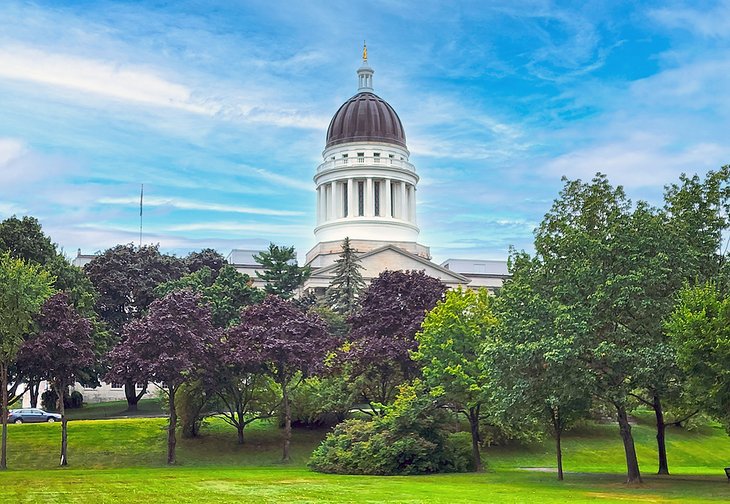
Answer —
641 160
707 22
185 204
105 78
10 149
263 228
294 183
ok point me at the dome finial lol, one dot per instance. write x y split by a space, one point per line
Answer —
365 73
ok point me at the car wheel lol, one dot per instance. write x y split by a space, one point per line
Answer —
19 421
51 420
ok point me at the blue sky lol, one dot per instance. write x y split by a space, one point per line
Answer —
221 108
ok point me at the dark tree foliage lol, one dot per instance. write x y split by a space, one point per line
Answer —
281 272
384 329
168 346
207 257
286 342
344 290
226 292
125 278
60 351
24 239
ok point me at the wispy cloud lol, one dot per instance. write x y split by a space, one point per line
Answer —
294 183
120 82
708 22
289 230
184 204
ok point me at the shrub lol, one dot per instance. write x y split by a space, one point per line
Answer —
76 400
191 401
49 400
410 438
319 402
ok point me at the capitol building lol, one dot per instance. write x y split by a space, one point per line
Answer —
367 191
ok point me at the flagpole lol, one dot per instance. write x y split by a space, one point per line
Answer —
141 196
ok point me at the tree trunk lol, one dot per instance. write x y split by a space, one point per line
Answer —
171 440
239 428
4 414
131 395
558 430
34 387
661 428
287 421
632 463
474 425
61 393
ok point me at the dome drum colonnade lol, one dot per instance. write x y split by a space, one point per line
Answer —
366 188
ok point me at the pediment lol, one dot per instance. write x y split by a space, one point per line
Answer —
391 258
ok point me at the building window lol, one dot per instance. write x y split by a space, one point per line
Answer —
360 157
376 157
361 198
390 158
344 159
376 190
344 200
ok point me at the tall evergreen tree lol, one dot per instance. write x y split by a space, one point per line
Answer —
281 273
344 291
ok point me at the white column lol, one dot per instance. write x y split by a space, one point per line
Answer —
351 198
369 200
335 209
403 202
386 202
413 203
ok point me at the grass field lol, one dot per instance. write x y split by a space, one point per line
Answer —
123 461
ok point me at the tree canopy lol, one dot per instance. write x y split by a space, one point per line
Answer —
169 345
384 329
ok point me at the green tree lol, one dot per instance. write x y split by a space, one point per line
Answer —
225 291
450 345
699 329
281 272
537 371
23 289
24 239
582 244
344 290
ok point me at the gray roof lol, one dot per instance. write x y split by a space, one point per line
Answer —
477 266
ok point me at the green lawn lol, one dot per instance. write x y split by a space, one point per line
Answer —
115 409
123 461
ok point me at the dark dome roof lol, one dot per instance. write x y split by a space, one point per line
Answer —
365 118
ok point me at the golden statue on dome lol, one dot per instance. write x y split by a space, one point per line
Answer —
364 51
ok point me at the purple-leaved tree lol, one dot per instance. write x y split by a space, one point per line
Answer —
168 346
286 342
59 351
384 329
